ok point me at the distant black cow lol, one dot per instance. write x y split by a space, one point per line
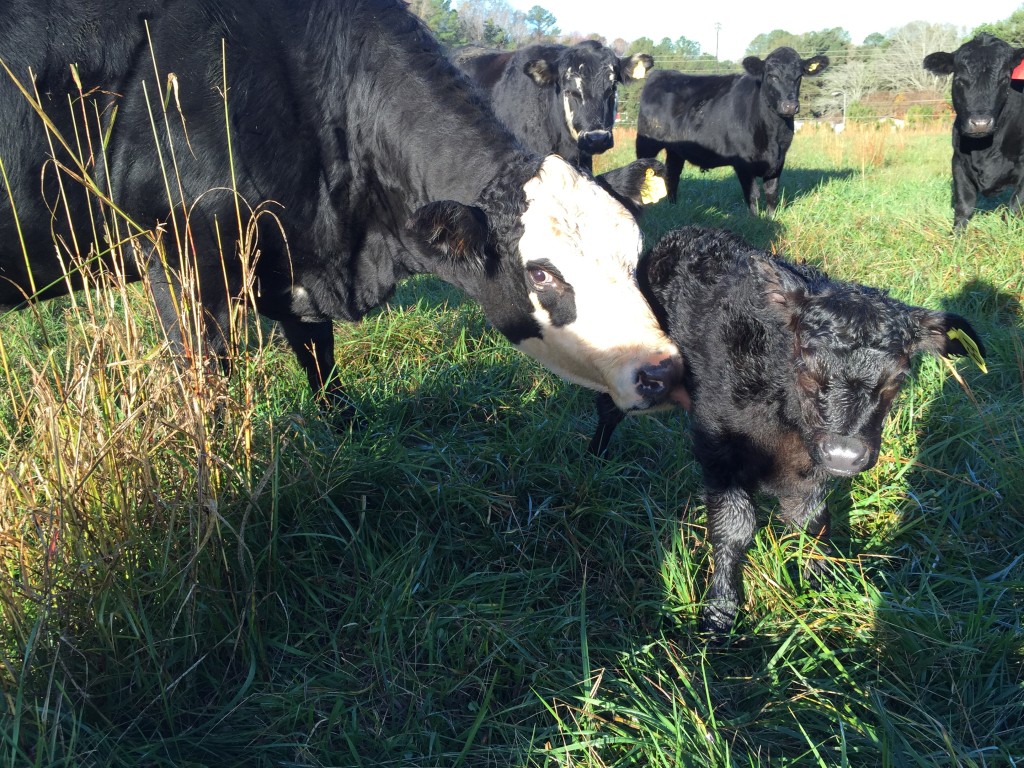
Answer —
375 156
555 98
745 120
790 377
988 132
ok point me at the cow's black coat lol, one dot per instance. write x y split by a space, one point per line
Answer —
555 98
790 377
988 132
744 121
372 155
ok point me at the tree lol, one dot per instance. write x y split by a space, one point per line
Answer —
767 42
507 27
542 22
899 64
494 36
443 21
874 40
1011 30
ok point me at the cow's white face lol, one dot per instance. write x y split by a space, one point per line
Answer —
579 253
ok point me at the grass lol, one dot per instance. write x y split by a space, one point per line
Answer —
216 576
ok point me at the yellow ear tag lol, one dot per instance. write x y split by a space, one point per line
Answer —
639 71
653 189
972 349
812 67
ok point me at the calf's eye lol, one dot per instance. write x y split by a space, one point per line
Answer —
540 278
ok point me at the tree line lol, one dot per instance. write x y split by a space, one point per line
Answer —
880 77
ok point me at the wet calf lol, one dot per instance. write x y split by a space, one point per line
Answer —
790 377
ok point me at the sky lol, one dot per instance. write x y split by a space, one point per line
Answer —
743 20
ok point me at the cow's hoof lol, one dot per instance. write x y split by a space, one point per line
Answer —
819 572
717 618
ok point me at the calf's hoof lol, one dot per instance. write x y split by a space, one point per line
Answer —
718 617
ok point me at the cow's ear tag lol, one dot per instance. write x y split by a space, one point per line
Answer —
653 188
972 349
639 71
813 66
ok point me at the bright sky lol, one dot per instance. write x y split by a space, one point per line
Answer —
743 20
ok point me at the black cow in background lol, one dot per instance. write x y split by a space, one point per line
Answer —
555 98
744 120
790 377
378 158
988 132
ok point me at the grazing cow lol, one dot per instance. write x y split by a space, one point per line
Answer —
744 120
988 132
790 376
375 158
555 98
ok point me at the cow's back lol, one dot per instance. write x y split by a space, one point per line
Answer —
677 107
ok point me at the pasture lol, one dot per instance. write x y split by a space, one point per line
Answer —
199 572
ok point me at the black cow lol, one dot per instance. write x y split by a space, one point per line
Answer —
373 156
988 132
790 376
555 98
744 120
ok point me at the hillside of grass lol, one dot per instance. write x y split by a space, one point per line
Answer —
200 572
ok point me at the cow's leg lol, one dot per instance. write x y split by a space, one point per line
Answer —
731 523
771 194
965 196
608 418
673 170
751 192
1017 199
313 345
205 333
809 513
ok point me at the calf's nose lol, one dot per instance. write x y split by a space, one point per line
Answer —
655 381
595 141
789 107
980 125
845 456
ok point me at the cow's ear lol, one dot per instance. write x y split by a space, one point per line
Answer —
456 231
540 71
754 66
815 65
939 63
782 288
945 333
640 183
635 67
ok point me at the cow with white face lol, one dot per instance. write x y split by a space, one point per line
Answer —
382 160
556 98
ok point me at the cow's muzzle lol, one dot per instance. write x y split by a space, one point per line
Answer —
593 142
845 456
656 381
979 125
789 107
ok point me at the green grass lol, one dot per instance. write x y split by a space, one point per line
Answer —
216 576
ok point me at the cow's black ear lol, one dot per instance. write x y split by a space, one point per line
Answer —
540 71
456 231
815 65
754 66
640 183
946 333
635 67
782 288
939 63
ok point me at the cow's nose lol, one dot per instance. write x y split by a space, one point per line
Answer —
595 141
980 125
656 380
845 456
789 107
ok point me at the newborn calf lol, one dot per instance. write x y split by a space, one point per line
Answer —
790 377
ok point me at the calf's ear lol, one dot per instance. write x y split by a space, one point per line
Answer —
753 66
541 72
455 231
945 333
640 183
635 67
815 65
939 63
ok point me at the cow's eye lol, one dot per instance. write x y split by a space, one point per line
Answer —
541 278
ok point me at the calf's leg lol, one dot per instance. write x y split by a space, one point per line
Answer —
809 513
731 524
608 418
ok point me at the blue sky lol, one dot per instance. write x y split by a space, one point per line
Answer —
742 20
